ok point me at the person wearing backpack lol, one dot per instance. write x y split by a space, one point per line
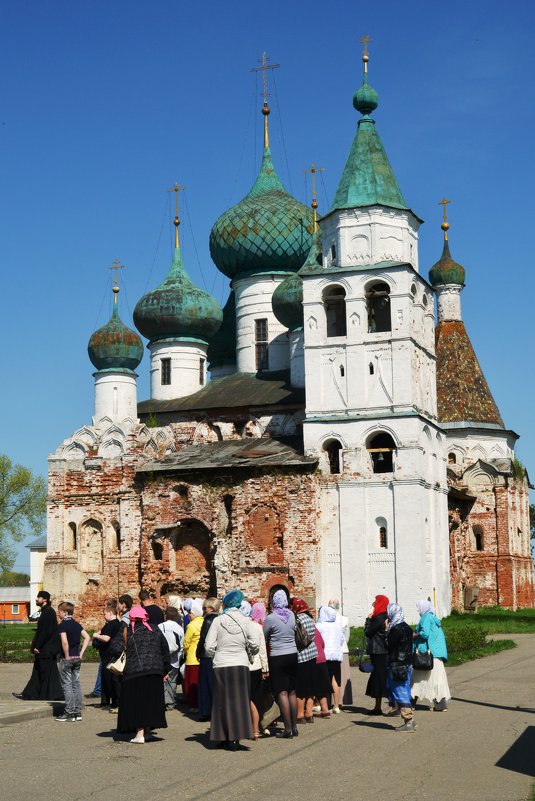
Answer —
174 634
307 652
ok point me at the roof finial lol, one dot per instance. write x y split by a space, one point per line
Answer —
176 189
265 108
313 170
365 57
445 224
116 265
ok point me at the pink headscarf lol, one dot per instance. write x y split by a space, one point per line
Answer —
138 613
258 613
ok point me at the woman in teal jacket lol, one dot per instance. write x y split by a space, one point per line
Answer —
431 686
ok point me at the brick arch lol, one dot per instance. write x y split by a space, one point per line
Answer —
264 532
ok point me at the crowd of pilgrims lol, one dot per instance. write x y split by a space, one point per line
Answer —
246 669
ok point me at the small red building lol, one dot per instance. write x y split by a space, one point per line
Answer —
14 604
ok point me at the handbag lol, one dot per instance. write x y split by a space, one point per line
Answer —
302 637
422 661
118 665
365 664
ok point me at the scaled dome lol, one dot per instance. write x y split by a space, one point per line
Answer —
115 346
446 270
177 308
287 299
268 230
222 349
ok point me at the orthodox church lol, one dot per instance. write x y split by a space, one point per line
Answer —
345 444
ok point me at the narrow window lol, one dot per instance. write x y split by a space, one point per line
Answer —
202 363
166 372
381 448
371 369
478 538
383 542
334 302
342 370
332 449
333 252
72 537
157 550
14 609
261 344
115 537
378 305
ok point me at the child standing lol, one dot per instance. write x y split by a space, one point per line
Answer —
70 632
111 682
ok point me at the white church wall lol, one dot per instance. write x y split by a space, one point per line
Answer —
188 367
253 302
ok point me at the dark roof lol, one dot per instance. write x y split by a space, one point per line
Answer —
40 542
463 394
239 390
233 453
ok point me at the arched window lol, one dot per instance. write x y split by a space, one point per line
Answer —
383 539
115 536
378 306
478 538
72 544
332 448
334 301
452 458
381 448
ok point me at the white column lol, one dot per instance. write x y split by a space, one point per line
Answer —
253 302
297 358
187 367
449 302
115 396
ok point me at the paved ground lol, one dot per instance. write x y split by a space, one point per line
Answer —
482 749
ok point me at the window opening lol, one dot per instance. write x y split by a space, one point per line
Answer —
14 609
381 448
342 370
334 301
478 538
157 550
166 371
333 252
72 536
383 542
378 306
371 369
202 363
332 450
261 344
452 458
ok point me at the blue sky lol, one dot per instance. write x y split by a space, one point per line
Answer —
104 105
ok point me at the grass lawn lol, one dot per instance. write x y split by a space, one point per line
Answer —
15 639
466 633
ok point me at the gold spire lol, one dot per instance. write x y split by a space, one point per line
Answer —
445 224
265 108
313 170
176 189
365 57
116 265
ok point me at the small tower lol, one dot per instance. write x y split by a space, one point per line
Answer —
179 320
256 244
116 351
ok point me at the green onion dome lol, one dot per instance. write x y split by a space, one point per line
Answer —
267 231
446 270
222 348
366 98
287 300
178 308
115 346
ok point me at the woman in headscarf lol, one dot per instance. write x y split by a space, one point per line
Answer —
375 633
398 680
142 700
210 610
306 664
191 640
232 643
334 639
346 689
279 630
258 669
431 686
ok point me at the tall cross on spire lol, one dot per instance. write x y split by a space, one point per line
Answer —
313 170
176 189
265 66
365 57
445 224
116 265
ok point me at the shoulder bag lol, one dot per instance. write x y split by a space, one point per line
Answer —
302 637
118 665
422 661
365 664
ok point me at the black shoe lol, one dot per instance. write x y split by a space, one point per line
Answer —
285 735
295 732
233 745
92 694
18 695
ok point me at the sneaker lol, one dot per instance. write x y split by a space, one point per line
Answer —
316 708
410 725
138 740
77 716
65 718
336 710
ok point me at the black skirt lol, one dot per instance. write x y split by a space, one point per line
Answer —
283 673
335 670
142 704
322 687
376 687
305 684
231 712
257 691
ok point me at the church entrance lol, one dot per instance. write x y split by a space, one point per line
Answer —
191 566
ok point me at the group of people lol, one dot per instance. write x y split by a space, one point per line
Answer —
392 644
242 667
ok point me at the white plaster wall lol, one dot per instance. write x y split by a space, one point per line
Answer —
115 398
472 444
185 358
448 302
37 563
368 236
253 302
297 358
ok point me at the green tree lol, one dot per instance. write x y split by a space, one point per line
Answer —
22 507
11 579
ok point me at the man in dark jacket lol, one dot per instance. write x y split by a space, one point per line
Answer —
44 684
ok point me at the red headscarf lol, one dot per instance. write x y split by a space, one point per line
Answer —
298 605
379 605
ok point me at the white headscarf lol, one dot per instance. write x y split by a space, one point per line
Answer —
245 608
423 607
395 615
326 615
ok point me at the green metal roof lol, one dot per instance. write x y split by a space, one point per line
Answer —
178 308
446 270
222 348
115 346
267 231
287 300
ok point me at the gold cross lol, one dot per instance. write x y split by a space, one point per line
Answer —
116 265
445 225
176 189
364 42
313 170
263 69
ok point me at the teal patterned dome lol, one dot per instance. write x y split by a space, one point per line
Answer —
366 98
268 230
446 270
115 346
222 348
287 300
178 308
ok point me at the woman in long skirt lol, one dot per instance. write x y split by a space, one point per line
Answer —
375 633
231 643
431 686
398 680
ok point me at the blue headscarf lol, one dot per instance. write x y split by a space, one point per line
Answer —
232 600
